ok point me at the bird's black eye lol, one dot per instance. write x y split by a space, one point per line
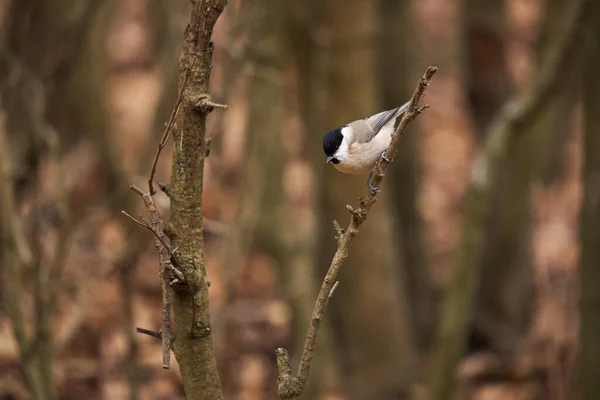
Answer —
335 161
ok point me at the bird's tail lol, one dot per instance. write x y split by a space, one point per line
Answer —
377 121
402 109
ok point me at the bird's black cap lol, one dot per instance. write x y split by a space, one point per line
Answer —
332 141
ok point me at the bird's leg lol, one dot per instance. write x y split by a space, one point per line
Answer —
384 157
372 189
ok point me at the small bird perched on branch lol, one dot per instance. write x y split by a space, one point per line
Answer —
355 147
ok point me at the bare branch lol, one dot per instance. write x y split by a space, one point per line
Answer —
339 231
166 259
168 129
140 223
167 299
335 285
156 334
290 386
136 189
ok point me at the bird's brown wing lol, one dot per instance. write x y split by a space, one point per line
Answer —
361 131
377 121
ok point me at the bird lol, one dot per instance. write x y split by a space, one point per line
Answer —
355 147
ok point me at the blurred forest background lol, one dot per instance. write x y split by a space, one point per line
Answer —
86 87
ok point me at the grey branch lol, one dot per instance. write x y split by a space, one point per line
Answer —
291 386
166 259
168 130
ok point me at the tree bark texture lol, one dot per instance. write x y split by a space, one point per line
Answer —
194 345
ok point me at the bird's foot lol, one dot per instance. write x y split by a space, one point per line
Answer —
372 188
384 157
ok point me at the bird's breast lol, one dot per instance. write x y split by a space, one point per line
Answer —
350 168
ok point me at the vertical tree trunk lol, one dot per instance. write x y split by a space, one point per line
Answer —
590 213
486 175
194 347
397 66
505 297
556 117
486 69
309 59
48 45
369 332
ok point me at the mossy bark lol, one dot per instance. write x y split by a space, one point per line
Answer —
194 343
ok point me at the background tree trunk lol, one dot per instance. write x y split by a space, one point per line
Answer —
487 78
367 310
487 176
397 64
505 304
308 70
55 50
590 213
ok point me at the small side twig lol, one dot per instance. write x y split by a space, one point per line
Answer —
168 129
137 221
339 231
156 333
204 102
291 386
335 285
168 264
166 258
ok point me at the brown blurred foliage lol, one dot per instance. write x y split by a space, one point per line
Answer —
86 87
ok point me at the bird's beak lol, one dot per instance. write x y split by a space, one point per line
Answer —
328 159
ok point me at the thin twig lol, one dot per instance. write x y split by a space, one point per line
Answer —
335 285
166 258
137 221
156 334
168 129
339 231
168 262
291 386
167 299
